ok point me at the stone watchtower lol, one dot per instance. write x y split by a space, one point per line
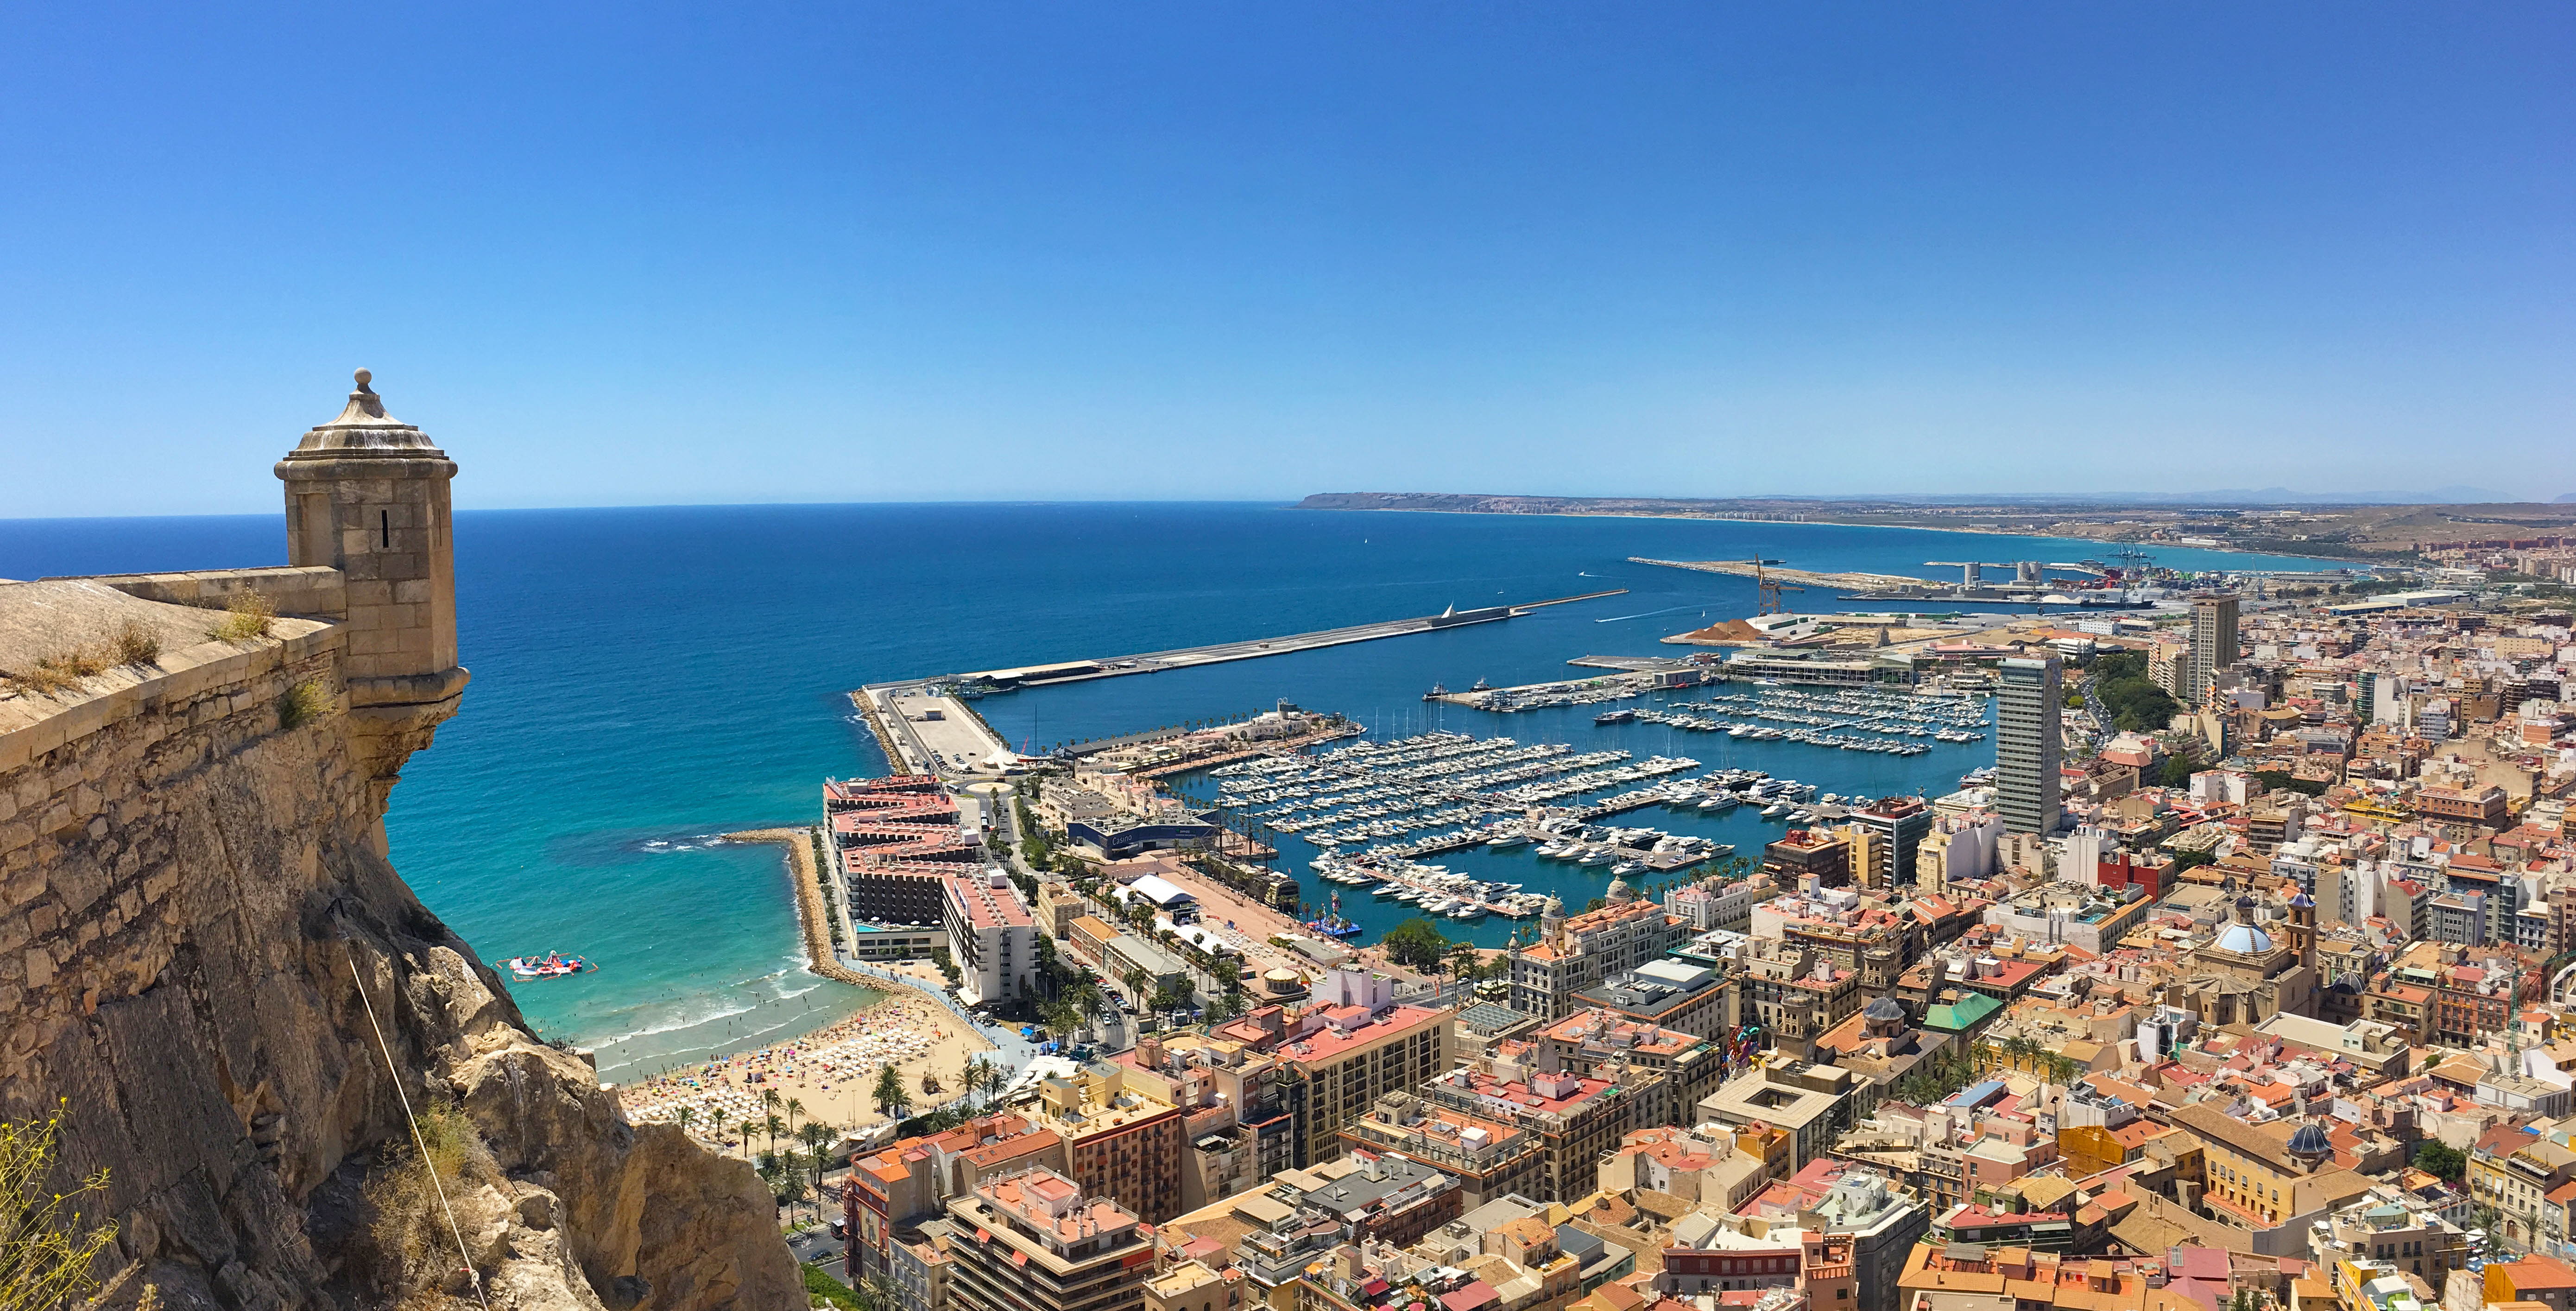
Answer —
367 495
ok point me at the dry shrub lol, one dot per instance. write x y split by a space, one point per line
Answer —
410 1226
58 673
250 615
303 703
136 644
45 1252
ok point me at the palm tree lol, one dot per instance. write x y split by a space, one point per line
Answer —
775 1126
683 1116
1059 1019
891 1097
794 1108
815 1136
749 1127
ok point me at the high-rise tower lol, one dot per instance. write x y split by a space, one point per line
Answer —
2028 744
2213 643
366 494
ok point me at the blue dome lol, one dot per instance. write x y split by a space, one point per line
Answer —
2310 1140
2245 940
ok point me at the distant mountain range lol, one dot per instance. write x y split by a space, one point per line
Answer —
2452 495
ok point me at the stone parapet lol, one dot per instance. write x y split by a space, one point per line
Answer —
308 591
32 726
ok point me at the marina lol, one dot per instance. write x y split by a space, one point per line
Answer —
1844 719
1435 793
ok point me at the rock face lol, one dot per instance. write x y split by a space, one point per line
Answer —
195 920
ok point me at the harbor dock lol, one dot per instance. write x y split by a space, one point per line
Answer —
1155 662
934 731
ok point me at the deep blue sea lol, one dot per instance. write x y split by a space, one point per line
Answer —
646 678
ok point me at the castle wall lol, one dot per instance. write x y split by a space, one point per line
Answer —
191 898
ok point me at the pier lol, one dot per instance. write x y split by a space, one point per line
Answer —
1853 581
938 733
1155 662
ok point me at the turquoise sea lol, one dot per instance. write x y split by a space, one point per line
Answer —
647 678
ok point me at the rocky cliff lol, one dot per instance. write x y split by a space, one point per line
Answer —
195 923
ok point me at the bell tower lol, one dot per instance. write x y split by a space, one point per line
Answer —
366 494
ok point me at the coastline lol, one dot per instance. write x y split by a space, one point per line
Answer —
2357 566
811 914
829 1065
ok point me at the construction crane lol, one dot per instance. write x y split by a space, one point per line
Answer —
2133 561
1769 590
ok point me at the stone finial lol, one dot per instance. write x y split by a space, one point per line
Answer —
364 429
364 403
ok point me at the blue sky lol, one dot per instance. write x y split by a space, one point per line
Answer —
643 254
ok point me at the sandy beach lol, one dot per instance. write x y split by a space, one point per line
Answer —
831 1071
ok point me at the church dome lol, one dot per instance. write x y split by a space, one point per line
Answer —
2309 1140
1555 906
1885 1008
1620 893
2245 940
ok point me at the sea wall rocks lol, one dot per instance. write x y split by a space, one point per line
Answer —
195 921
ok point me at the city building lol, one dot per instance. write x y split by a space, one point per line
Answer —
2214 644
1811 1103
2262 1176
1575 1119
1671 994
897 840
1585 950
1896 827
1349 1046
1033 1242
2029 744
992 937
1124 1137
1489 1155
2390 1225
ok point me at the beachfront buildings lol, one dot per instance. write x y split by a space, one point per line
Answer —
2029 744
1034 1241
992 937
896 839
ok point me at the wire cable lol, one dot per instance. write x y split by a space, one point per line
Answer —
428 1166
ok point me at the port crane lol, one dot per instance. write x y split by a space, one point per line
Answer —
1769 589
